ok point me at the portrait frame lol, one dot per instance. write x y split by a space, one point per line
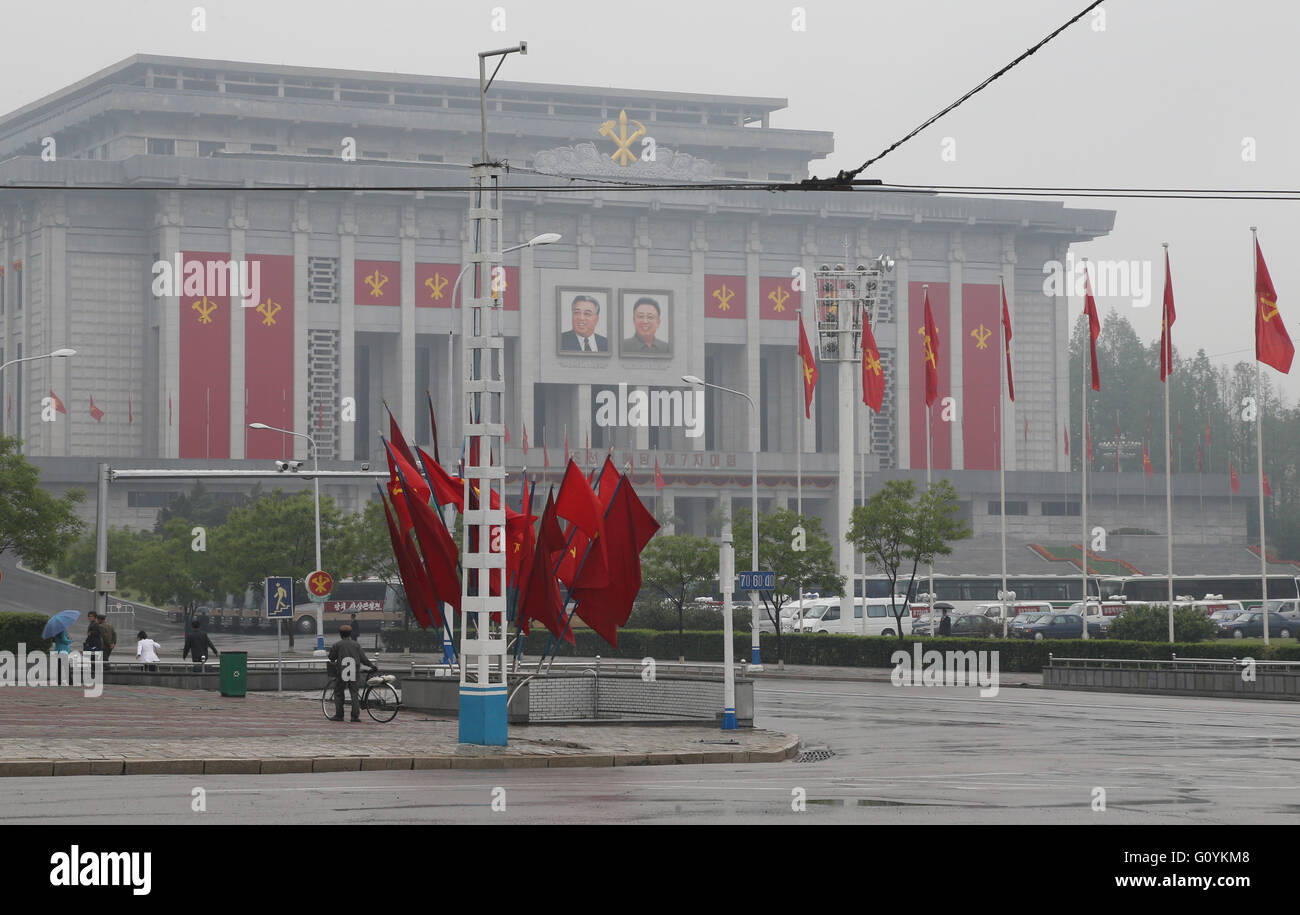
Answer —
605 325
627 299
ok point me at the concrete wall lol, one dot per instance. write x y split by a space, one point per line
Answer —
1226 684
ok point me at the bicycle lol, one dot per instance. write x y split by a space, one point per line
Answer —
378 696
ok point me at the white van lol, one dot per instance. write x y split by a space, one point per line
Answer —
994 610
872 617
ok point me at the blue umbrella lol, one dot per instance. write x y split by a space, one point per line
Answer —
59 622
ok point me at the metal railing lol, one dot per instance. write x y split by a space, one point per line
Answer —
615 668
1174 663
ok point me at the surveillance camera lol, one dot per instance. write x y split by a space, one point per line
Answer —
282 466
365 465
523 47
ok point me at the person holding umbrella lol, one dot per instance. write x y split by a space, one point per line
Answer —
57 629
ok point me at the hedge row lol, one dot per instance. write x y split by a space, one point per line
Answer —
1018 655
25 628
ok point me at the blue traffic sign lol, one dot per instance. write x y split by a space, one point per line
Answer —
279 598
757 581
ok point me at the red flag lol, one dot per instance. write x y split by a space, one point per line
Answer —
1232 479
930 352
1273 344
1006 327
539 595
399 440
95 413
525 439
609 477
416 587
873 378
437 548
659 477
629 528
1167 326
1146 461
130 412
1094 328
58 404
809 367
1268 490
433 428
578 502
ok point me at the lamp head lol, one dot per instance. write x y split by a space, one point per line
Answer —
65 351
546 238
258 426
693 379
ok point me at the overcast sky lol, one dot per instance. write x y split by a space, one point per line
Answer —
1162 97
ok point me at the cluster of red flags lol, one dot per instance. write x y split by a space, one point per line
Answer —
598 558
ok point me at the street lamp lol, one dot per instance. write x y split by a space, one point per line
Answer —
320 621
546 238
696 381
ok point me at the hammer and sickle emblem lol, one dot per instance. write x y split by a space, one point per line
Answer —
929 349
205 307
436 283
623 155
724 297
268 310
376 281
1268 307
807 372
981 335
778 298
873 363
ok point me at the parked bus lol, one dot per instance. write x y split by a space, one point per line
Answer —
965 593
1150 589
376 605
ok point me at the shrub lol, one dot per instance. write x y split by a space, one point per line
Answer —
1150 623
25 628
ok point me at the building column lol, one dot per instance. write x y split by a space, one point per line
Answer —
957 349
699 245
348 329
530 306
301 319
406 351
167 217
55 282
1059 330
903 350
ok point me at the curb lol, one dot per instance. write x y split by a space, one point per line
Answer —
27 768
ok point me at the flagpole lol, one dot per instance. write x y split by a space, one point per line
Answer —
934 629
1167 358
1002 469
798 458
1259 442
1083 463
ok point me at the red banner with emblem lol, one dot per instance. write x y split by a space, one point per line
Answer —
981 373
268 358
378 283
940 431
778 300
204 356
724 296
434 284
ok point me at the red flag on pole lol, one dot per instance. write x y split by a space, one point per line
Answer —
873 378
1268 490
659 477
1167 325
95 413
58 404
810 373
1232 479
433 427
1094 328
1273 344
930 337
1006 328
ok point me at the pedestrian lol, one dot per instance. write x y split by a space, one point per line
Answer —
94 644
197 646
108 634
945 624
62 643
355 628
346 658
146 650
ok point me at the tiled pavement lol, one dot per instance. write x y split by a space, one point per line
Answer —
150 730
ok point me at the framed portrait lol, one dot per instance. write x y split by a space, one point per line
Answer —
647 323
583 321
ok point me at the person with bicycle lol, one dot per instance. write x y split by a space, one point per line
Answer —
346 658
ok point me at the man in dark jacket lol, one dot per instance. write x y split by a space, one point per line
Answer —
107 634
346 658
945 623
197 646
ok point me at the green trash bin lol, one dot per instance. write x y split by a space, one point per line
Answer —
234 673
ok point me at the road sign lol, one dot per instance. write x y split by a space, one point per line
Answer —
757 581
319 585
279 598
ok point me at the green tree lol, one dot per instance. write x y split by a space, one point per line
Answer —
898 526
33 524
1150 623
681 568
77 565
780 533
167 569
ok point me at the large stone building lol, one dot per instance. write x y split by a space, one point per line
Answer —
348 192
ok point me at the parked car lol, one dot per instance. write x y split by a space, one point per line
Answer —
977 626
1023 620
1288 608
921 621
1222 616
870 617
1251 625
1057 626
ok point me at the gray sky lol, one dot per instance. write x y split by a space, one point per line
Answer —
1163 97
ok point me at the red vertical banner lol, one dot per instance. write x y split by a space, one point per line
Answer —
268 357
940 431
778 300
204 361
724 296
434 284
378 283
981 370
